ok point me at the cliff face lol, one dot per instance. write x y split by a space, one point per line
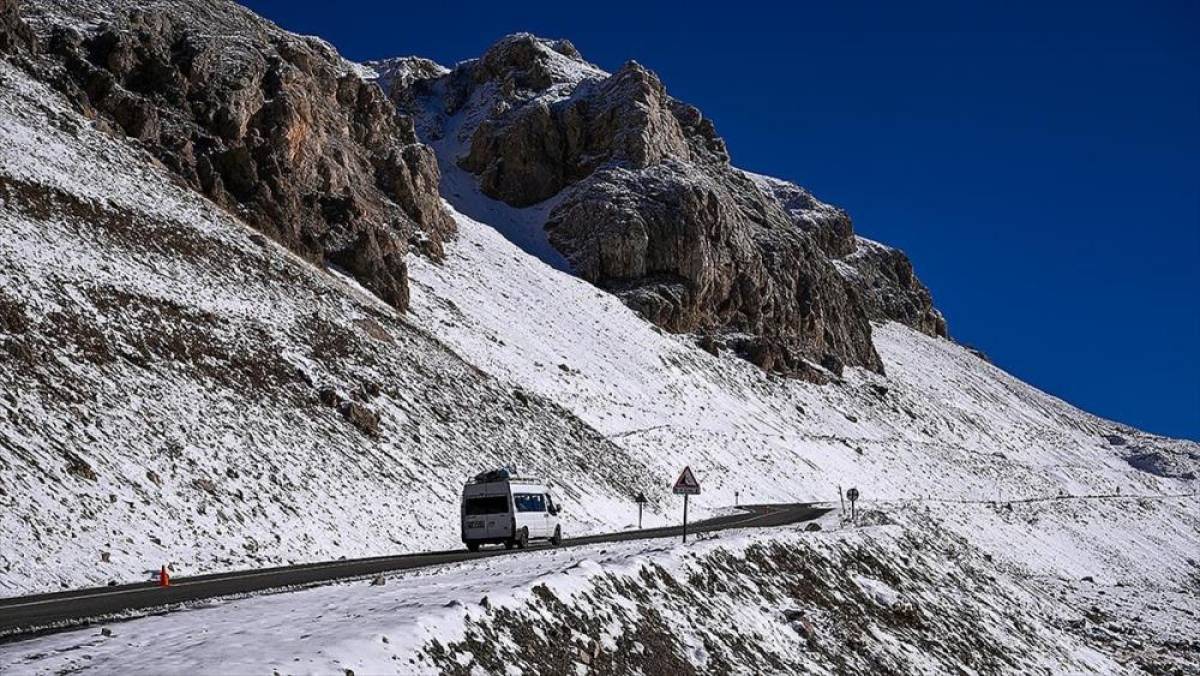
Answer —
882 277
633 188
275 127
639 196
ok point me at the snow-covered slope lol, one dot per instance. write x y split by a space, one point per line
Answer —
176 388
1050 492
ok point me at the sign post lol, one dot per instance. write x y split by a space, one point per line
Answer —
686 485
852 496
640 500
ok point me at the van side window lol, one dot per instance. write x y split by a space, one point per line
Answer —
529 502
496 504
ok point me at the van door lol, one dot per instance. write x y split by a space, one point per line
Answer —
531 513
487 517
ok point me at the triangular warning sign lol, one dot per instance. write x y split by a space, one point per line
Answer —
686 483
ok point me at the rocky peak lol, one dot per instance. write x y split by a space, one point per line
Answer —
403 71
646 203
828 225
882 277
275 127
641 199
529 64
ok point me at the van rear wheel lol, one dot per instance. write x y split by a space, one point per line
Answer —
523 538
473 546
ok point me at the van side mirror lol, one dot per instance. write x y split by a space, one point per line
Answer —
553 510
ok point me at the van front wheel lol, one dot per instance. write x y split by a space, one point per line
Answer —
556 539
472 546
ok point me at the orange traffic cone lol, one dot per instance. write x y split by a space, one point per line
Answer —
164 578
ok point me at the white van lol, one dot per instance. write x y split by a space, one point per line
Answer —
499 507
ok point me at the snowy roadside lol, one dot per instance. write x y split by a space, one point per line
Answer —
887 596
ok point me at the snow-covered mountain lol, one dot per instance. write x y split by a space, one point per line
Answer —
184 382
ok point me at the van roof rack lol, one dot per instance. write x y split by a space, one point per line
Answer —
503 474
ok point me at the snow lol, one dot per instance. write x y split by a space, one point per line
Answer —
174 358
944 442
1025 476
393 628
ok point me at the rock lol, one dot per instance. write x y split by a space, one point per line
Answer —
330 396
379 581
831 363
15 35
812 527
881 277
647 204
1088 578
977 352
358 414
105 631
105 557
79 467
366 420
275 127
798 621
884 280
793 615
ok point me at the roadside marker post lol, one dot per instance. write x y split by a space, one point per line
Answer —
640 500
686 485
852 496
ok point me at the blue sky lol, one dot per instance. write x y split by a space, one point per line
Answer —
1039 162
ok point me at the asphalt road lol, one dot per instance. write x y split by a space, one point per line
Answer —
42 613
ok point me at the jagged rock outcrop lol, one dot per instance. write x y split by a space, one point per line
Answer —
641 199
882 277
890 289
273 126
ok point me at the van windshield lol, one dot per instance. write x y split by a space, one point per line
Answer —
495 504
529 502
